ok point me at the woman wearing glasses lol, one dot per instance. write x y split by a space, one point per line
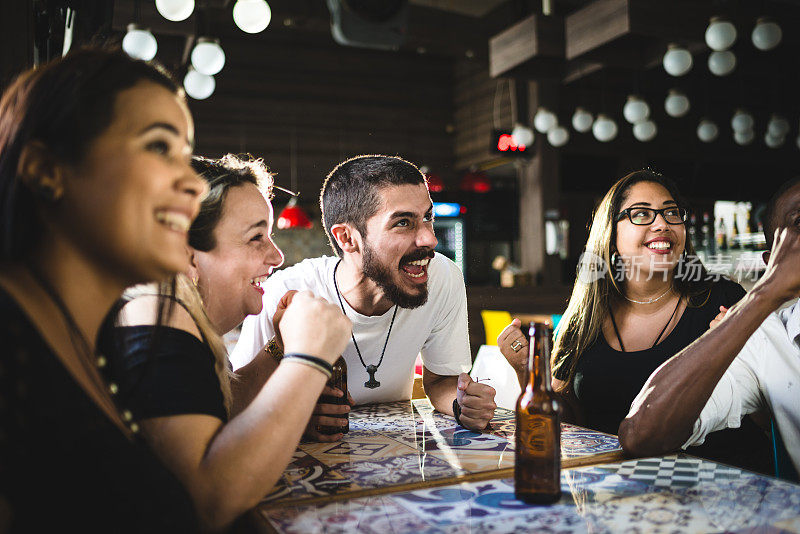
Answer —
641 296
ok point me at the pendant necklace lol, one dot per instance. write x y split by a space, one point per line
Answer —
371 369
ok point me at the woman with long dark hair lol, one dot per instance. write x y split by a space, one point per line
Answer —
641 296
96 194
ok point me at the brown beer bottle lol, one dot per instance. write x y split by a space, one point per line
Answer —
537 466
337 380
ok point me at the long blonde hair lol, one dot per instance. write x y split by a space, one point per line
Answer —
596 287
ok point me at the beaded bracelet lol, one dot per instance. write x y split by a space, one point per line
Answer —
312 361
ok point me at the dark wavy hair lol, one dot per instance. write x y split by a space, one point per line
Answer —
64 105
350 193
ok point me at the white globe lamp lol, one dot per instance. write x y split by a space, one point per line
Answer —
522 135
720 34
582 120
721 63
175 10
544 120
742 121
604 128
778 126
635 110
208 56
198 85
767 34
252 16
744 137
676 104
139 43
558 136
677 61
707 131
773 141
645 131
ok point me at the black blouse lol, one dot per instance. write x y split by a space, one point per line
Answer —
174 377
64 466
607 380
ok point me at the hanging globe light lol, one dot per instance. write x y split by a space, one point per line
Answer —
558 136
767 34
522 135
175 10
744 137
208 56
707 131
742 121
720 34
197 85
777 126
635 110
645 130
604 128
582 120
721 63
252 16
139 43
773 141
677 61
676 104
544 120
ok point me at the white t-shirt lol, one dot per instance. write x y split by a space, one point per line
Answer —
437 329
765 373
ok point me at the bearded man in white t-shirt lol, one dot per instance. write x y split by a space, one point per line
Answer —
402 298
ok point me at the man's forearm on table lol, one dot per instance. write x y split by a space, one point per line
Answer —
663 418
441 391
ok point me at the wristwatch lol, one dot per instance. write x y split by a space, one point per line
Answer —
273 349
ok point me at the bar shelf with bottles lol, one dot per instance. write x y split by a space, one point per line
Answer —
731 242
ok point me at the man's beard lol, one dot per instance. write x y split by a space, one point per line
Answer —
381 275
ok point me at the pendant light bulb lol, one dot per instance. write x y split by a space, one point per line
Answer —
139 43
522 135
720 34
767 34
778 126
677 60
635 110
558 136
676 104
645 131
773 141
707 131
208 56
604 128
544 120
721 63
252 16
742 121
198 85
744 137
175 10
582 120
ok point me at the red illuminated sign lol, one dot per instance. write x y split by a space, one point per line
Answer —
503 143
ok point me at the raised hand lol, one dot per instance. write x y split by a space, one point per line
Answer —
513 345
312 325
781 280
723 311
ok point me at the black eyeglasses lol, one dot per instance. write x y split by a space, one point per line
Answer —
644 216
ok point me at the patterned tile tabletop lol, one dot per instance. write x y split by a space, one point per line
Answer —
673 494
403 445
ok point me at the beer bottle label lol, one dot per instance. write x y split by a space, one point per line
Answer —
537 435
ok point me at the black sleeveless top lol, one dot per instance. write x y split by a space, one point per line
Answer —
64 466
606 382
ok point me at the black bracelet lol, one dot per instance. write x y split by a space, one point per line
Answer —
457 412
313 359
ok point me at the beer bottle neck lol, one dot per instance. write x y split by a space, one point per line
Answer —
539 359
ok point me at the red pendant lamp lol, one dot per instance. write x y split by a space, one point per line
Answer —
293 216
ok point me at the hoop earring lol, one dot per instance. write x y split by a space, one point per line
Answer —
614 259
195 279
